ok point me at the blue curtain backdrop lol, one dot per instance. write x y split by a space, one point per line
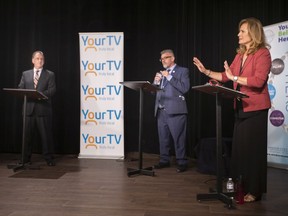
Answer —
204 28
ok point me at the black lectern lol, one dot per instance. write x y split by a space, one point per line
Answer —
140 86
26 94
220 92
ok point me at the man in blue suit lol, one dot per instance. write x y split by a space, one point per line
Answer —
171 110
39 112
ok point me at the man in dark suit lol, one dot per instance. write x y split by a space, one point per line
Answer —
171 110
39 112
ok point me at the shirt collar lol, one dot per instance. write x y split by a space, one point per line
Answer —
40 70
171 68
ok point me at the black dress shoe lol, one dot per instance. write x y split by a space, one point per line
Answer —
161 165
51 163
181 168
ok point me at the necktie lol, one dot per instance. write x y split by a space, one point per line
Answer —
164 81
36 79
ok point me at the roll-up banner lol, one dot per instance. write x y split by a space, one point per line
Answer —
277 37
101 108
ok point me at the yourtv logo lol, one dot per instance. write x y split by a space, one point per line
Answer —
93 92
95 141
92 43
93 67
283 33
93 117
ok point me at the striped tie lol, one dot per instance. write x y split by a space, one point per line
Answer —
36 78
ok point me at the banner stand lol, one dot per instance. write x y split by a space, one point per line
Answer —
277 148
102 97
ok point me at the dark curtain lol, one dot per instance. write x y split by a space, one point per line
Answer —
204 28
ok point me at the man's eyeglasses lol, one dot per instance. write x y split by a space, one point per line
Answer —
164 58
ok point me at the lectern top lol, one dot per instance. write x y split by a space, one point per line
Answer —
29 93
223 91
137 85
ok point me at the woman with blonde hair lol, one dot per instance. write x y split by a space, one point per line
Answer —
249 72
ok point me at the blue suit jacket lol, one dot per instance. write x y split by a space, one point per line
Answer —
173 93
46 85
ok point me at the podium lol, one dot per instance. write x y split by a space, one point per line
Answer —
140 86
219 92
25 94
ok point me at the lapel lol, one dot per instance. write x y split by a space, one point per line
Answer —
31 79
41 78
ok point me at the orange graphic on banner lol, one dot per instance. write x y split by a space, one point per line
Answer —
93 121
91 145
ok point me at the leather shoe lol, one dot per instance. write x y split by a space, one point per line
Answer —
181 168
161 165
51 163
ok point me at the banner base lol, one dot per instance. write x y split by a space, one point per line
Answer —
278 165
100 157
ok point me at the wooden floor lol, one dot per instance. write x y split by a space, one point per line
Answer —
101 187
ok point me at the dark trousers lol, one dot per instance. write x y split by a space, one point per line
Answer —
172 126
249 152
41 125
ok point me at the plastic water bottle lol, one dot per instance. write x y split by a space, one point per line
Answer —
230 185
159 75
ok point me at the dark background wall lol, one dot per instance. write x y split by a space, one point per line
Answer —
204 28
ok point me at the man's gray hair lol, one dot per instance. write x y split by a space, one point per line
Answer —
167 51
38 51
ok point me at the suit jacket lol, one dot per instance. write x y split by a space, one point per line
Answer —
173 93
46 85
256 68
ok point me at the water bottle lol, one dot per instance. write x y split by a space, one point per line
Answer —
158 75
230 185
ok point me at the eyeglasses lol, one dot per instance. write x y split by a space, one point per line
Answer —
164 58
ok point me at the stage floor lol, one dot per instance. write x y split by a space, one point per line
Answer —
101 187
